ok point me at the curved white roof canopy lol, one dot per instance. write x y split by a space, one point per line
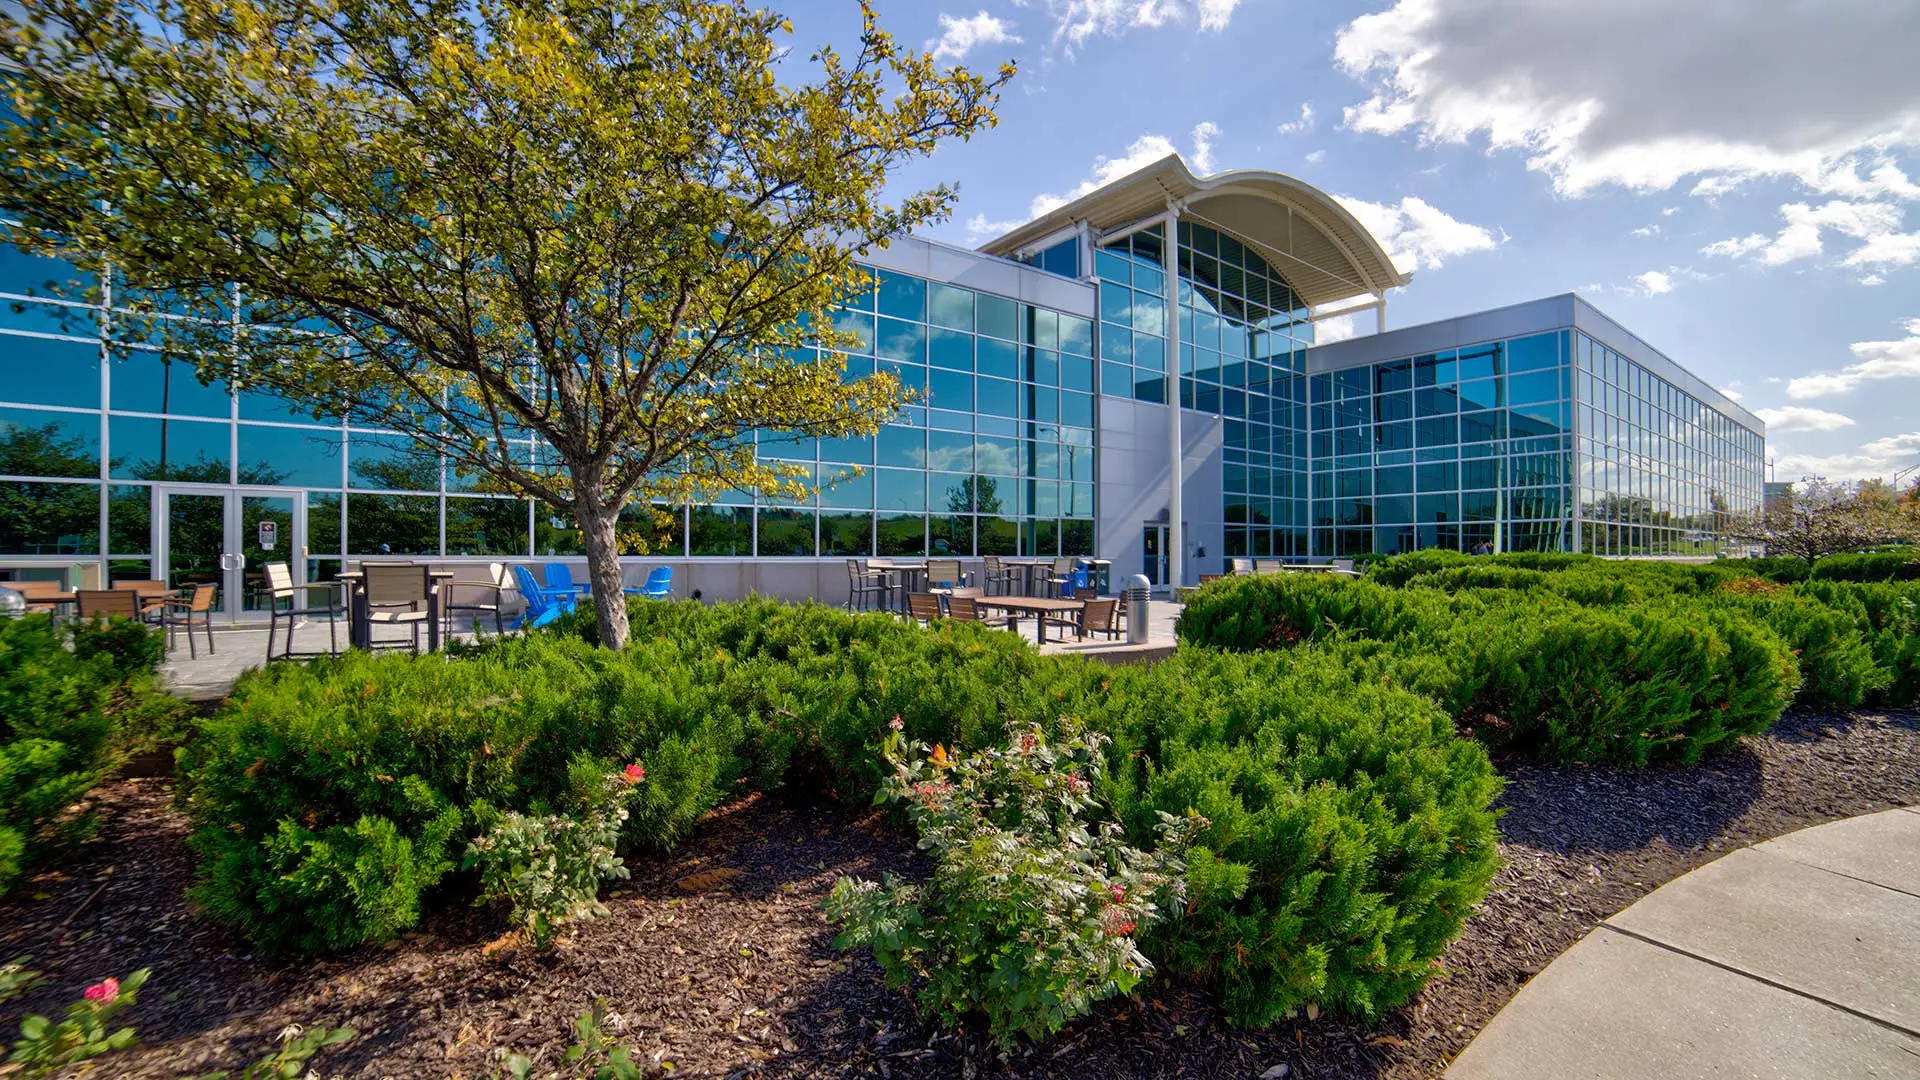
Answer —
1325 254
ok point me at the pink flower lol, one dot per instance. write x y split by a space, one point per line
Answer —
1119 894
896 723
104 991
1115 923
634 773
1077 785
1028 742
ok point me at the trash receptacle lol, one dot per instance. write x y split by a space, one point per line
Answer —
1138 591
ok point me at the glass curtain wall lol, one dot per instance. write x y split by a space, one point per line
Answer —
1662 472
1469 449
995 457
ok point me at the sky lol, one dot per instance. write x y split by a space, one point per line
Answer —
1736 181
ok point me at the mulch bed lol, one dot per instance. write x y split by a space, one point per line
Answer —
739 978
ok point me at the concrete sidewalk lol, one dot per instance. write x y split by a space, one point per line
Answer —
1797 957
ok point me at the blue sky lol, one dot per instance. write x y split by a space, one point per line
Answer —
1737 181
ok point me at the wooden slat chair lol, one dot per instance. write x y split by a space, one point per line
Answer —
281 589
398 594
1100 617
945 574
924 607
96 603
36 594
967 609
176 612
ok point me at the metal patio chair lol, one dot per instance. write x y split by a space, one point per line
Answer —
299 605
177 612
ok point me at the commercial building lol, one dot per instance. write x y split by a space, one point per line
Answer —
1042 365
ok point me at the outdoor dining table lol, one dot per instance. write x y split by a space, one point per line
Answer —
1028 569
1038 606
901 577
145 598
360 617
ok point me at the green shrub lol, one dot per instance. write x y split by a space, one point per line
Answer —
1887 614
61 692
1270 611
1029 916
1400 569
1349 836
1868 566
1838 668
1782 568
546 870
1354 841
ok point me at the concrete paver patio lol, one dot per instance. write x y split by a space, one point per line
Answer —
1797 957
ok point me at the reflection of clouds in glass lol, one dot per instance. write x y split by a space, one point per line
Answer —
994 458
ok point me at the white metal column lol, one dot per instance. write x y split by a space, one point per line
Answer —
1176 543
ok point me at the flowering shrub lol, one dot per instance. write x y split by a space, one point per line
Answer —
297 1046
45 1048
1030 913
547 868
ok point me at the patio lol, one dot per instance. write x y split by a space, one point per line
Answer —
244 647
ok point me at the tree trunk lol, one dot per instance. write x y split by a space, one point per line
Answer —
597 523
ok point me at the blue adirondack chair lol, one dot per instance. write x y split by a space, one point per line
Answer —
560 580
659 585
543 605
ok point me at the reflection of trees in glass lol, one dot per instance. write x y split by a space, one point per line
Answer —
46 450
398 473
48 519
974 495
486 527
393 524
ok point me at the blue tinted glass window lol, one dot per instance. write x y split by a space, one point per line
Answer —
950 390
305 457
1480 394
855 450
48 318
951 349
1076 409
1534 353
1149 386
950 306
37 443
858 324
31 274
1076 336
1481 361
905 446
143 381
998 316
1116 305
999 397
949 450
900 489
1042 328
44 371
843 488
903 297
998 358
902 341
1533 387
182 450
390 462
1076 373
1149 352
1116 345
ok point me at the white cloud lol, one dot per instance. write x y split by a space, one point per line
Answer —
1653 282
980 230
1873 360
1669 211
1645 94
1879 458
958 37
1334 328
1074 21
1416 234
1305 123
1732 394
1873 279
1647 232
1141 152
1801 418
1315 157
1203 136
1875 224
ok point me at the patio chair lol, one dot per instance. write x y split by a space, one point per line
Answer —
560 579
1100 617
923 607
487 588
36 594
542 606
95 603
997 580
944 573
1239 566
658 586
1060 581
1086 593
863 583
398 594
967 609
1268 566
176 612
280 587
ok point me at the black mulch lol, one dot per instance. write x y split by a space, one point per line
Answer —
742 981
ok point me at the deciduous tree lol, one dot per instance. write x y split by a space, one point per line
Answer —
585 248
1819 518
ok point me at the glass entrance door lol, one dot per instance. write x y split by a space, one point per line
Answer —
194 541
1154 563
227 538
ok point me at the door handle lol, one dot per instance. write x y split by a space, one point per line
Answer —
232 562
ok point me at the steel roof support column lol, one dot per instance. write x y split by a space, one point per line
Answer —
1176 476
